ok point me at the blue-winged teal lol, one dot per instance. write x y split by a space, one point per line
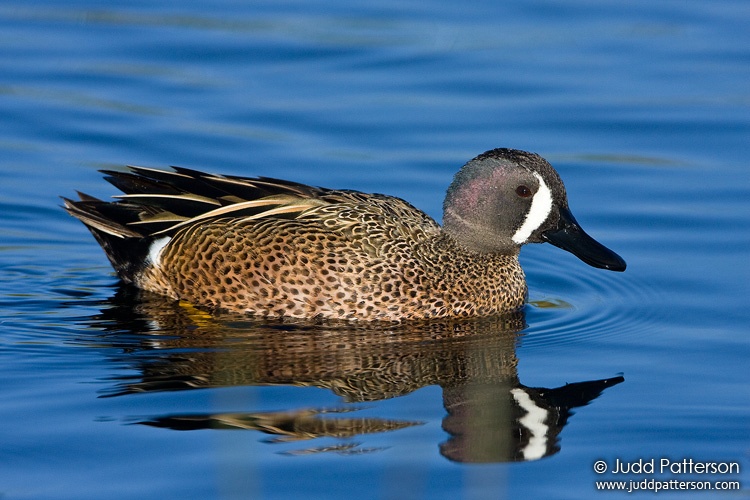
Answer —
277 248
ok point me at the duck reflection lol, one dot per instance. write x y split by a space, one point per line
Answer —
491 416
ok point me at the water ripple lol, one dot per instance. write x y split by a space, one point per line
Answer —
586 304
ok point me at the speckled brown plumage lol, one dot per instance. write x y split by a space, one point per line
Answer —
276 248
302 268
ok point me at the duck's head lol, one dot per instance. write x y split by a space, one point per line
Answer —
505 198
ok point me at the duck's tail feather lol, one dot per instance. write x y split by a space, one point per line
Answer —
125 247
158 203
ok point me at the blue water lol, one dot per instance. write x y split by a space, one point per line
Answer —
644 109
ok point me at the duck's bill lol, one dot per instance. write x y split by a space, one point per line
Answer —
569 236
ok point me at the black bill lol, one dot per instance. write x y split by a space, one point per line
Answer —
569 236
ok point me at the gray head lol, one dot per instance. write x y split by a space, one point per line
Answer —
505 198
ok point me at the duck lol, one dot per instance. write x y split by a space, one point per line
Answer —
280 249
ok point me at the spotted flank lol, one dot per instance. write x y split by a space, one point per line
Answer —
277 248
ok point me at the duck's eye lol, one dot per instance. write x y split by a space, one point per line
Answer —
523 191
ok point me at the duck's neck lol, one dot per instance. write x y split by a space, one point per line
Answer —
474 237
485 282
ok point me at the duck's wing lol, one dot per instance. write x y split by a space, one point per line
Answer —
158 203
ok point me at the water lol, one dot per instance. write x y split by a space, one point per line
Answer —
643 107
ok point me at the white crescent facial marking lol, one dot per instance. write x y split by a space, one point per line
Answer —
541 206
534 422
154 251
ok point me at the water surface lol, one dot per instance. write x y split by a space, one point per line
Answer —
644 110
